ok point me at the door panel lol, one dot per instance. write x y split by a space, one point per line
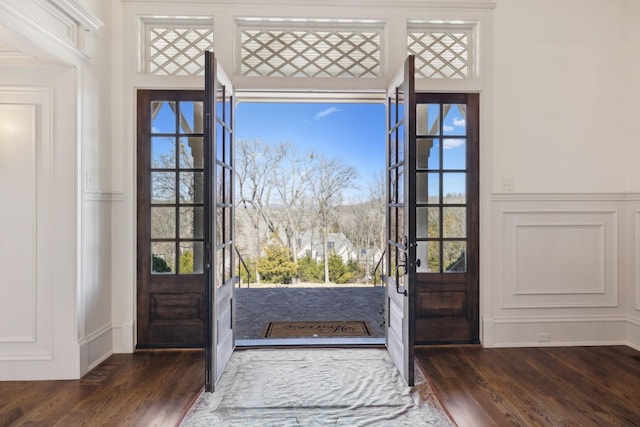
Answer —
447 225
219 211
400 253
170 244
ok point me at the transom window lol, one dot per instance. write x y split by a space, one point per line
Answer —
176 46
442 51
309 48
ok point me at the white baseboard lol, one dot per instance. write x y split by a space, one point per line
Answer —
633 333
549 332
95 348
124 337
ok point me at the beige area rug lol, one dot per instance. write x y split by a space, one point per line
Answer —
316 387
316 329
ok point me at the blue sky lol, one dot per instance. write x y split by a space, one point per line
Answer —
354 133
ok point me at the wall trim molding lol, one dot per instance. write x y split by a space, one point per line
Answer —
78 13
95 348
362 3
559 331
565 197
103 196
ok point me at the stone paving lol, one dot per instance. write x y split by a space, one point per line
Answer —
256 306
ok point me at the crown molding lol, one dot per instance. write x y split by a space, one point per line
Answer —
78 13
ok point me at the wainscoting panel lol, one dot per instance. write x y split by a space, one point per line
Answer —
560 270
25 181
560 259
636 234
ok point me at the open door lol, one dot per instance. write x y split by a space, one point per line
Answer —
400 230
219 106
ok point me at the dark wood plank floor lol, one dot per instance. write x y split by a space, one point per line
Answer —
147 388
568 386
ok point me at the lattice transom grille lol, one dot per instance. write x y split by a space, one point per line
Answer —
177 48
318 52
440 53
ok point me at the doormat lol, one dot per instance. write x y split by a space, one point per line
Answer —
320 329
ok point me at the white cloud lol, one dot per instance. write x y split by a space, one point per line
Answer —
324 113
453 143
459 122
448 128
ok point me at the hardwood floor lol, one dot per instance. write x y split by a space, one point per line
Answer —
568 386
147 388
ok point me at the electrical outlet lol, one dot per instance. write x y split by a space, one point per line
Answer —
507 183
543 337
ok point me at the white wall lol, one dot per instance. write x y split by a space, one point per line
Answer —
57 319
565 128
38 246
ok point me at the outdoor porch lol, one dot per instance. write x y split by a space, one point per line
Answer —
259 304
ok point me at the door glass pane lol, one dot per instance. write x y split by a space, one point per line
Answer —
191 117
454 155
163 117
219 273
393 148
191 224
191 152
163 223
190 258
421 254
163 152
427 223
422 126
228 267
433 187
228 223
433 122
163 187
191 187
401 184
455 256
219 226
400 143
427 153
455 122
455 222
433 257
219 142
227 147
454 187
227 185
163 256
422 195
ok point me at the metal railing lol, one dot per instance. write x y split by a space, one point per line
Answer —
375 270
241 263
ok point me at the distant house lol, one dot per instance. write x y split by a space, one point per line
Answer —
309 243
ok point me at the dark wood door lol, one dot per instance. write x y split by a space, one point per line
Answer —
446 218
400 254
170 219
219 212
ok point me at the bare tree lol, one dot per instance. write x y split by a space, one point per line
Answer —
256 163
328 181
292 180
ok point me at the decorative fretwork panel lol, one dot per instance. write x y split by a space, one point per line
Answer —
441 53
317 52
176 47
